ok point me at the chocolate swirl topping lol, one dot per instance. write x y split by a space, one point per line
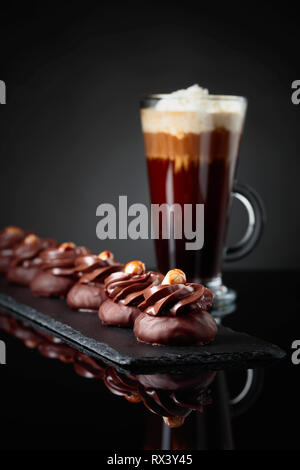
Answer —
26 252
98 271
10 236
127 288
177 299
56 260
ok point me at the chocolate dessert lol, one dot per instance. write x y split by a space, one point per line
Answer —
25 263
9 237
89 292
175 313
174 397
56 276
125 291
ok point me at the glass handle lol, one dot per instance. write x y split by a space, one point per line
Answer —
256 220
249 394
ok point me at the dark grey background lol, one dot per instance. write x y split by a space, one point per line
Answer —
70 134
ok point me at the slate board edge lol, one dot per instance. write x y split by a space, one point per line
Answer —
76 339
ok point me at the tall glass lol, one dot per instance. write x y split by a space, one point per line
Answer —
192 159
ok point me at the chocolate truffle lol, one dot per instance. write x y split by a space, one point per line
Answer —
9 237
88 293
174 313
25 262
56 276
125 292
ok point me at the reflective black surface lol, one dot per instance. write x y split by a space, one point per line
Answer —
77 413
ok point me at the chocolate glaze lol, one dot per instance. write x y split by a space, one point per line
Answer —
56 276
89 292
25 262
8 239
125 292
174 315
5 259
192 329
124 316
86 297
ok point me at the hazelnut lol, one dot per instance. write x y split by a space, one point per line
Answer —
133 397
67 246
135 267
106 255
12 229
31 238
173 421
175 276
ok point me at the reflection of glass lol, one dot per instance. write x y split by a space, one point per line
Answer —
192 159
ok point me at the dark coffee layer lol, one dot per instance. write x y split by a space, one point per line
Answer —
194 169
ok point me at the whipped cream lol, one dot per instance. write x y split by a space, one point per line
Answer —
193 110
188 99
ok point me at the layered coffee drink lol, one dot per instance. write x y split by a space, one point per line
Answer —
192 142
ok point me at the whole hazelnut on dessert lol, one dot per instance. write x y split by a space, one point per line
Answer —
175 276
12 229
135 267
106 255
174 421
66 246
30 239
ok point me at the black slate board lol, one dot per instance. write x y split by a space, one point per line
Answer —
119 346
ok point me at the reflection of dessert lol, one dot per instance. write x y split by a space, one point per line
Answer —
174 396
170 396
25 262
87 367
89 292
9 237
122 385
174 313
125 292
56 276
